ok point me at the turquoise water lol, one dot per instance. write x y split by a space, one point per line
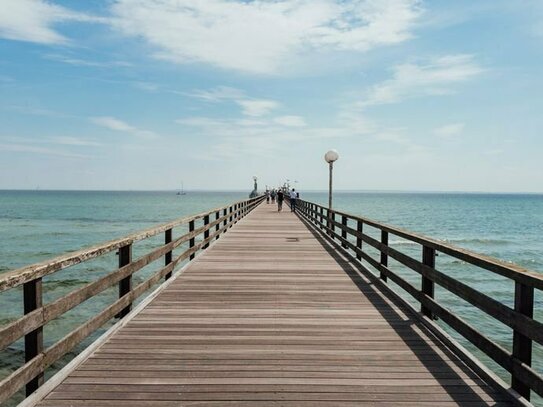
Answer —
37 225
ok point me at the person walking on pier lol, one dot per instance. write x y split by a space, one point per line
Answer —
273 195
280 197
267 196
293 197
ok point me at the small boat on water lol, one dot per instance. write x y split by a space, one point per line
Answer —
182 192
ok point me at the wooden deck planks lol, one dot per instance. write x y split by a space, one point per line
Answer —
269 317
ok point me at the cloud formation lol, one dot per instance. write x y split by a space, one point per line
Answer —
250 106
432 78
261 37
115 124
34 21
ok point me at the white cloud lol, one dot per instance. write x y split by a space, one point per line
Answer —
34 20
74 141
83 62
290 121
147 86
262 37
218 94
115 124
250 106
449 130
434 78
112 123
257 107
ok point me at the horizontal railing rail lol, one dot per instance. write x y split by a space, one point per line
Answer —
37 315
520 319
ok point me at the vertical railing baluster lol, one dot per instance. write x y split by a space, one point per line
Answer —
168 255
191 241
384 256
333 223
230 213
32 300
427 285
522 345
322 217
218 225
359 225
206 232
343 231
125 285
224 213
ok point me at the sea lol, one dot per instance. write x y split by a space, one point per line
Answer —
38 225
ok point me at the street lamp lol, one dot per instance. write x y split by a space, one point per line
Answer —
330 157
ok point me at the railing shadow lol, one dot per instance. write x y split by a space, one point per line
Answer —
423 351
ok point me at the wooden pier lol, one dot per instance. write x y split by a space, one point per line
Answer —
271 314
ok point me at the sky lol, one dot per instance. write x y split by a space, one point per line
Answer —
433 95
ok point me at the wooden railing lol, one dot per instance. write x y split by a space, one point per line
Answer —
519 318
37 314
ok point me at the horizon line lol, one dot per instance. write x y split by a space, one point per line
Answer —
398 191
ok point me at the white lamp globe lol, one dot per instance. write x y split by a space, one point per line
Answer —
331 156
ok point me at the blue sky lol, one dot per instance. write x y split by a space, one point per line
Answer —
134 94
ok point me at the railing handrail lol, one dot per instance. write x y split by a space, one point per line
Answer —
492 264
14 278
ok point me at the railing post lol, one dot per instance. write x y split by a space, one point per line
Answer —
332 224
191 241
427 285
168 256
125 285
32 298
206 232
359 226
522 345
224 212
230 217
384 256
322 217
218 225
343 231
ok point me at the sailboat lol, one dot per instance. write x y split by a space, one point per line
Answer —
182 192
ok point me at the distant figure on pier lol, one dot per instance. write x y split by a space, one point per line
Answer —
280 197
273 195
293 197
267 196
254 193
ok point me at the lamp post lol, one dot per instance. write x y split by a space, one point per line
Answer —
330 157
